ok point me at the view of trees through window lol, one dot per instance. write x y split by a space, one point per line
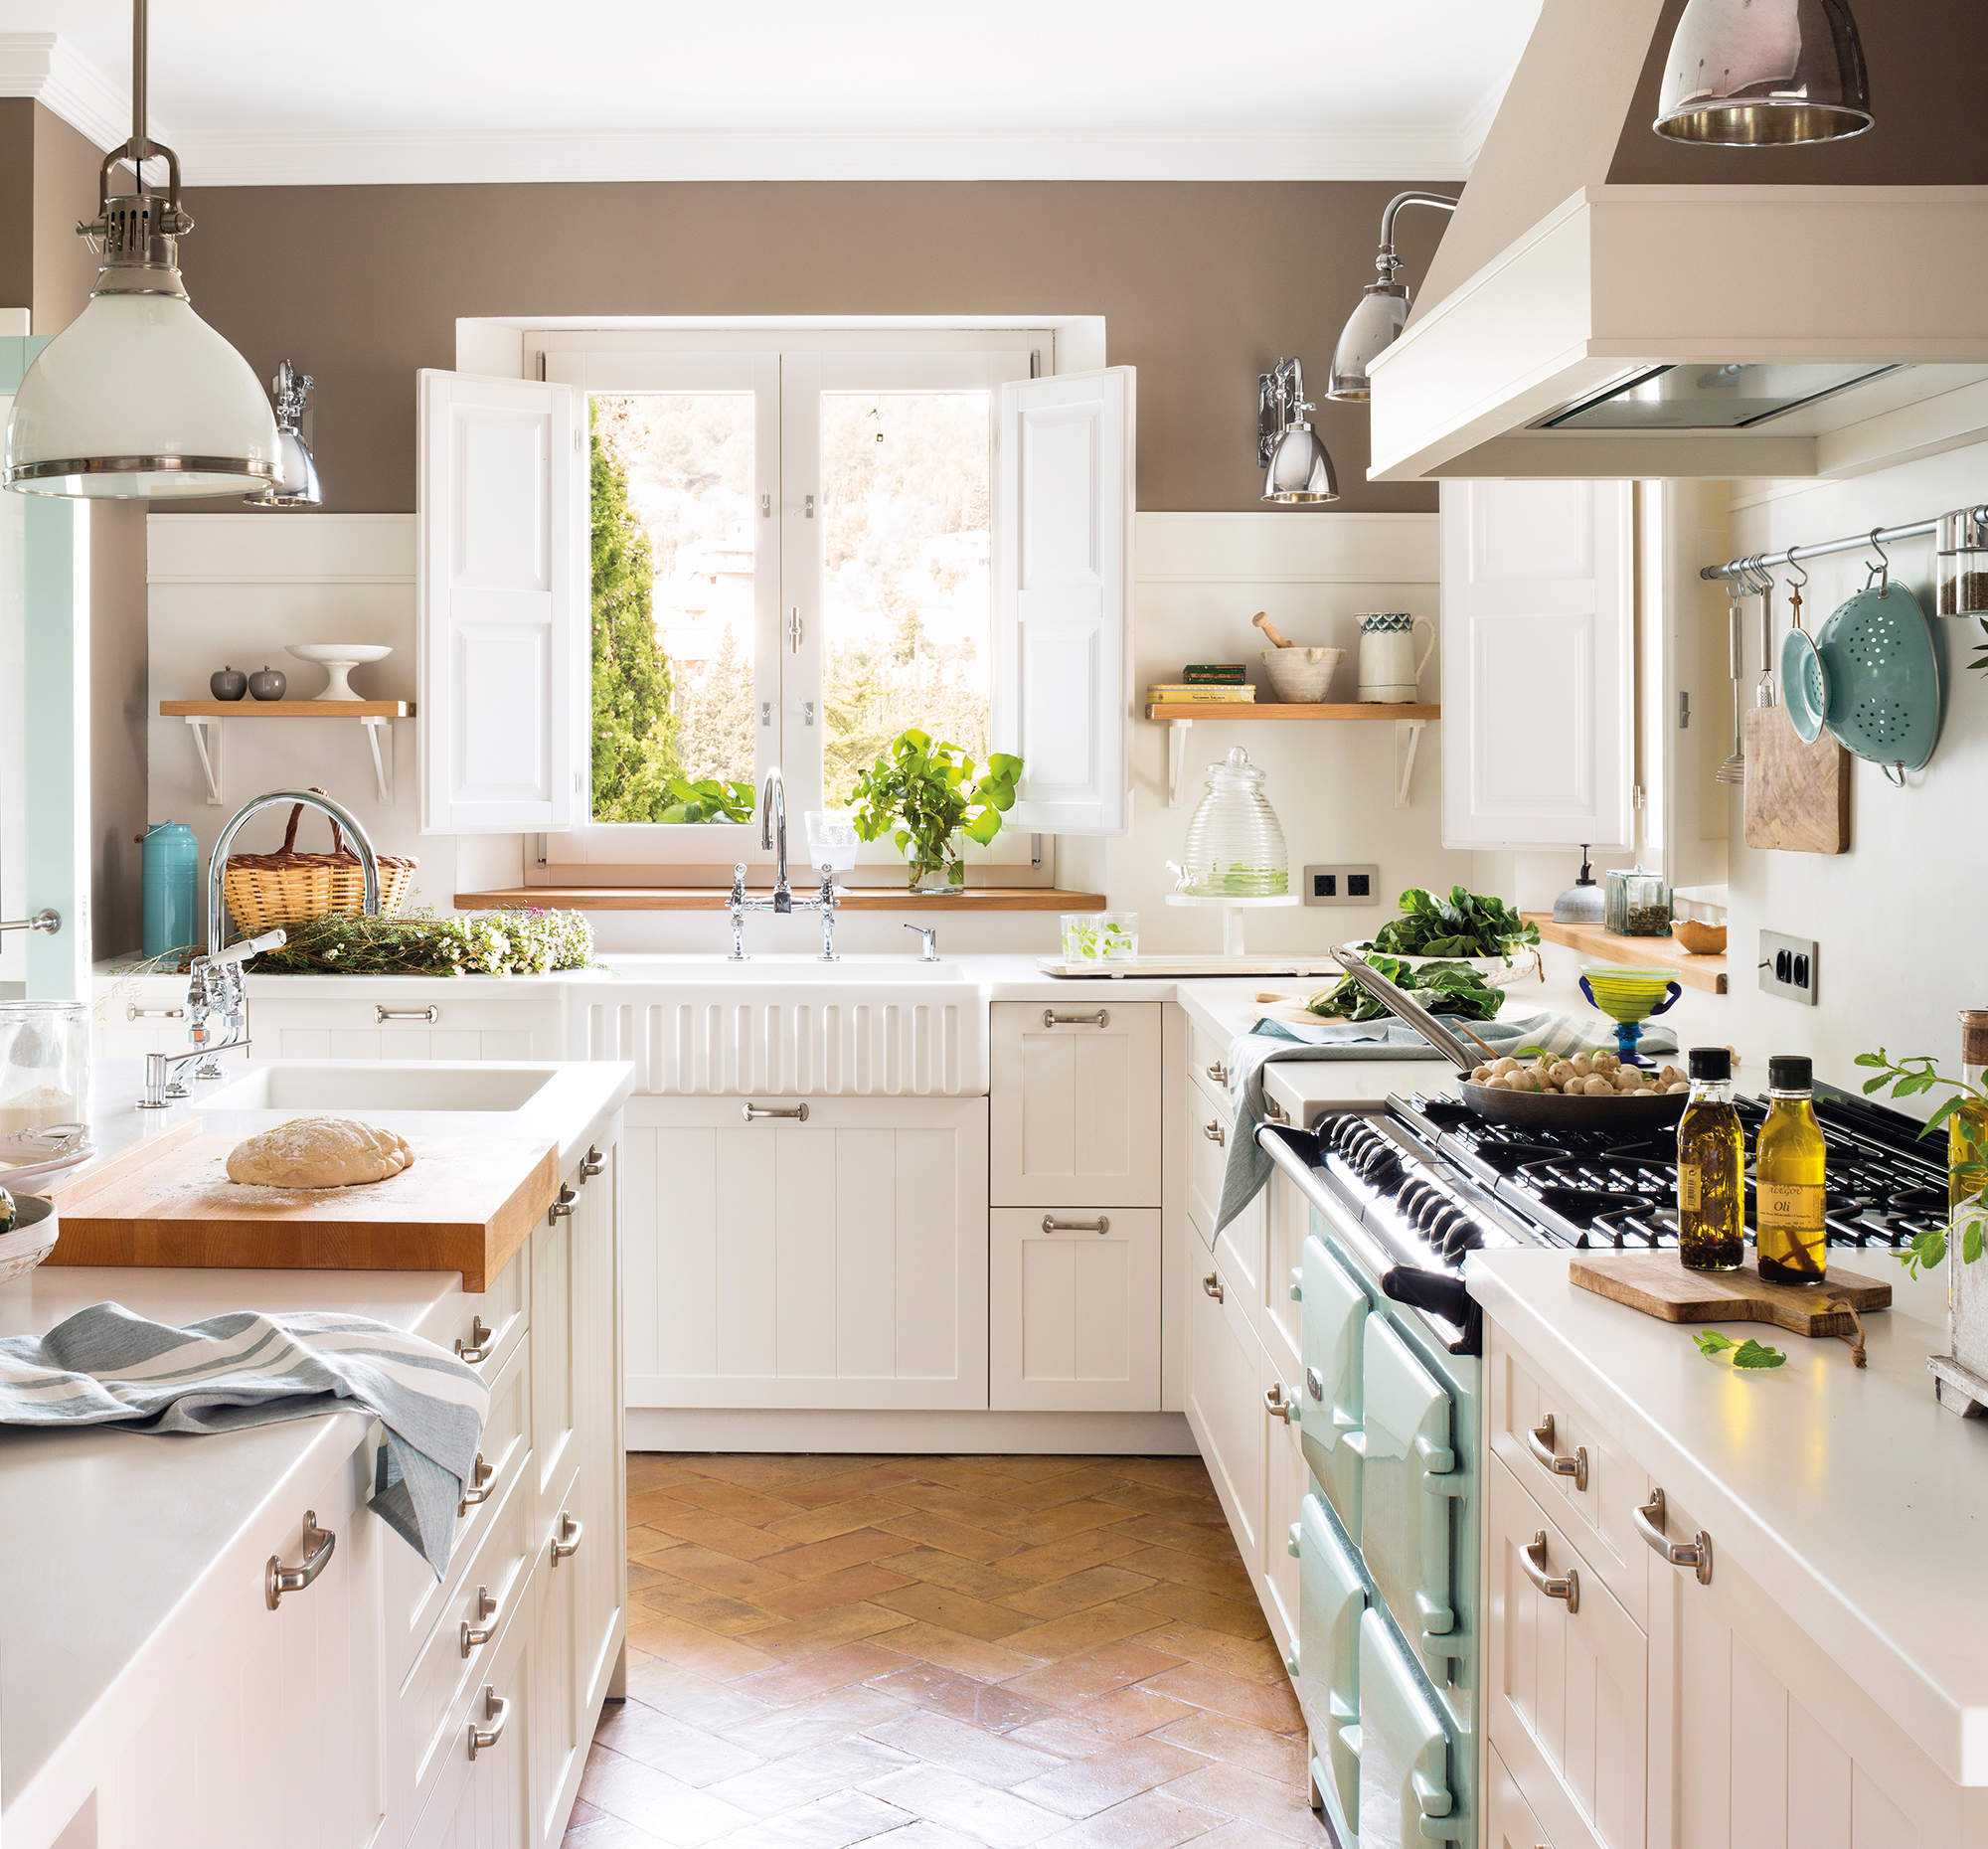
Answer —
905 595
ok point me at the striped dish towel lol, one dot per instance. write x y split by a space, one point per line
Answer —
107 1366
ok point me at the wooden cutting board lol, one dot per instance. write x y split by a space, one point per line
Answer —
465 1204
1796 795
1658 1285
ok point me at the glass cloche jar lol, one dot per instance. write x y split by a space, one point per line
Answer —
1234 847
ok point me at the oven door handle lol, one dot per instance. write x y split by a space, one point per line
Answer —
1442 1294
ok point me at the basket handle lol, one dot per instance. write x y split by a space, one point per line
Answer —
297 814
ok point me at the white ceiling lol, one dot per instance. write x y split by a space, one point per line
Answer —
356 90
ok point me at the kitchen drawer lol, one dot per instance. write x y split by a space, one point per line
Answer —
1566 1683
502 1311
1509 1822
1594 1498
1225 1404
1335 1306
1074 1105
341 1027
1334 1593
415 1599
1208 1062
1206 1124
485 1803
1073 1297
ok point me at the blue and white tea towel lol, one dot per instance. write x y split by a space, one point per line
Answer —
107 1366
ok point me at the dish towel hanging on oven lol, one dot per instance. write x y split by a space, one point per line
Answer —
107 1366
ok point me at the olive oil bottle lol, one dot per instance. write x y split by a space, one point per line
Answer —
1712 1168
1788 1162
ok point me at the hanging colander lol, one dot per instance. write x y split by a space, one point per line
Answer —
1879 687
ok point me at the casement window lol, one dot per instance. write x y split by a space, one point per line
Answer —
683 558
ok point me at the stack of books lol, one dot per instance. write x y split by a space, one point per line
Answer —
1204 683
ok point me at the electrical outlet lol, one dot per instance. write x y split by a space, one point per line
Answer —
1356 885
1788 967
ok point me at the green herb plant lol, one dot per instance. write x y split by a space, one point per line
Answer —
1450 987
522 941
708 799
1094 942
926 796
1967 1160
1467 924
1748 1354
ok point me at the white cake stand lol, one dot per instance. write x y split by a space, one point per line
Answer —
1232 908
338 659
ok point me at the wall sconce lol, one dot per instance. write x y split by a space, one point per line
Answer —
1382 311
296 485
1299 470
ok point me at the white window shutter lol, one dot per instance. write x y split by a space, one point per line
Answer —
1538 667
1063 599
503 628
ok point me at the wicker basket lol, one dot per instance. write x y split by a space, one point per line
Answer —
263 891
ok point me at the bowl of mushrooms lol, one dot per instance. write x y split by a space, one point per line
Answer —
1580 1091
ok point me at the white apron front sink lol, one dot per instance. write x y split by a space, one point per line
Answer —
367 1084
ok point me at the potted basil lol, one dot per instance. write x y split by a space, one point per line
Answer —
932 799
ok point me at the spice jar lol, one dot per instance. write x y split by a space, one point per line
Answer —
1962 558
1636 904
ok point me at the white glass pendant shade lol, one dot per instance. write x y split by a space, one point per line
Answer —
1371 329
138 398
1300 473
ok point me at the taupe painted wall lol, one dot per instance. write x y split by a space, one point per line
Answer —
1202 287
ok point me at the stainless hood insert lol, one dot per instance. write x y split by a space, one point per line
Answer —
1732 396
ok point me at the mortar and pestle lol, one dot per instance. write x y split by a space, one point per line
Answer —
1297 676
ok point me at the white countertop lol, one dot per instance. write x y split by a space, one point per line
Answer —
1850 1492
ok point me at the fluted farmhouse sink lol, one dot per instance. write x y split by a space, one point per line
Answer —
369 1084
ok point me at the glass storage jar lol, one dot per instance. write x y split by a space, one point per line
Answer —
1636 904
1099 936
1961 557
43 1077
1234 847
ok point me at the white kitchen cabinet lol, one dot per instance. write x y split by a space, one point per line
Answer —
1509 1822
835 1261
1225 1406
1076 1104
600 1497
1539 663
484 1803
1074 1301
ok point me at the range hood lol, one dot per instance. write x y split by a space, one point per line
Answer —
1657 331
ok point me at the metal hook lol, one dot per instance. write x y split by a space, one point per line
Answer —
1894 773
1882 570
1802 582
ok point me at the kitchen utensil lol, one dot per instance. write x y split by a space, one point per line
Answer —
268 683
32 1238
1637 903
169 872
1262 621
1763 688
1390 669
1582 903
1734 769
263 891
1883 676
228 683
1698 937
1655 1283
338 659
1300 676
1804 680
1797 794
1629 997
1234 846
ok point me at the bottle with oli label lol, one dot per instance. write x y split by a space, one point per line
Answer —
1712 1168
1788 1163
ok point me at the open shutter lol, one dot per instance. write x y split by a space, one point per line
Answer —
1539 663
1063 599
502 635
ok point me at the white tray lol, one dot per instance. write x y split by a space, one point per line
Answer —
1292 963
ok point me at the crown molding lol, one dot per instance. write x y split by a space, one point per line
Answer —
44 67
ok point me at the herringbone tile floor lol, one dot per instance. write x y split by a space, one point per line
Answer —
941 1654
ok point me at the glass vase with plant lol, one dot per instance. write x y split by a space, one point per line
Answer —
931 800
1965 1117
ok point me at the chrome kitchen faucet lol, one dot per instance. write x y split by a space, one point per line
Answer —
773 837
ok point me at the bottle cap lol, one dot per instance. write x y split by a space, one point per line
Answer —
1711 1062
1790 1072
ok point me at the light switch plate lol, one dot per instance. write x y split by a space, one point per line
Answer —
1342 885
1788 967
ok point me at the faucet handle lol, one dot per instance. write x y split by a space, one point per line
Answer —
737 883
928 942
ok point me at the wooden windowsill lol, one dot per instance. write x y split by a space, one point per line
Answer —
1695 972
975 899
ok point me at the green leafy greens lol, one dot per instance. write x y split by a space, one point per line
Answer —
1748 1354
1967 1157
1467 924
1442 989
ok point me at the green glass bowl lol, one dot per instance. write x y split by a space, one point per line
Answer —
1624 993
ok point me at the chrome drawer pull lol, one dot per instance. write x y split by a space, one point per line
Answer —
1102 1018
1276 1405
1218 1072
562 1209
132 1012
1212 1287
382 1014
277 1578
481 1475
1565 1586
566 1543
1695 1552
475 1346
798 1112
497 1710
488 1604
1212 1130
1540 1442
1051 1224
591 1165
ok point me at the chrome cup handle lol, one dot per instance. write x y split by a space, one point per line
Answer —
1566 1585
1695 1552
497 1710
1540 1442
277 1578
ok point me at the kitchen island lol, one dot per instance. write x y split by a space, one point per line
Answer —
148 1689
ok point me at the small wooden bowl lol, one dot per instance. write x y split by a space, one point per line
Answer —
1698 937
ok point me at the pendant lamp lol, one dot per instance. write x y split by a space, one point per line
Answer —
1760 73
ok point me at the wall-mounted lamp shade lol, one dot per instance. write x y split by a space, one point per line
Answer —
1371 329
138 398
1748 73
1300 472
297 485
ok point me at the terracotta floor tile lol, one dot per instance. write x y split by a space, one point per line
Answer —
834 1551
760 1470
1280 1756
1082 1630
638 1732
1094 1586
925 1834
606 1832
655 1470
832 1823
960 1505
846 1586
951 1649
971 1751
686 1647
1183 1474
1224 1576
1152 1820
829 1669
1037 1526
740 1501
725 1571
1262 1704
841 1486
1073 1554
1201 1538
1231 1791
1174 1504
1081 1787
950 1610
1083 1677
804 1778
941 1531
944 1691
701 1700
645 1543
653 1800
698 1605
833 1518
1253 1658
837 1715
981 1811
1131 1710
975 1577
1062 1486
1240 1618
1066 1733
789 1637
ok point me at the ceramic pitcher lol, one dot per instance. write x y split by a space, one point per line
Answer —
1390 668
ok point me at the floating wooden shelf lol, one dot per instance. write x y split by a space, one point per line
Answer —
1695 972
713 898
1279 709
376 716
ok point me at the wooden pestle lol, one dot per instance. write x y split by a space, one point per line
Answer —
1262 621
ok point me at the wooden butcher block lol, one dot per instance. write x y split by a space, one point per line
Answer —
465 1204
1658 1285
1796 795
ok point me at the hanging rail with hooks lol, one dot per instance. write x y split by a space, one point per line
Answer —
1752 564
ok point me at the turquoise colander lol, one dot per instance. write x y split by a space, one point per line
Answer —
1879 687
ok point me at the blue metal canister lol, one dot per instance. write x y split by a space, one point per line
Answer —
171 879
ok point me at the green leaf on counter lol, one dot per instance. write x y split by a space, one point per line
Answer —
1748 1354
1710 1342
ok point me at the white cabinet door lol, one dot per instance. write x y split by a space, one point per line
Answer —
600 1502
835 1262
1074 1311
1076 1104
484 1803
1225 1406
1538 663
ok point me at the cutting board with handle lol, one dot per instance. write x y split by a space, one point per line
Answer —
1796 797
465 1204
1658 1285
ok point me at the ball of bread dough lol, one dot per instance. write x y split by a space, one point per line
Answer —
318 1152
